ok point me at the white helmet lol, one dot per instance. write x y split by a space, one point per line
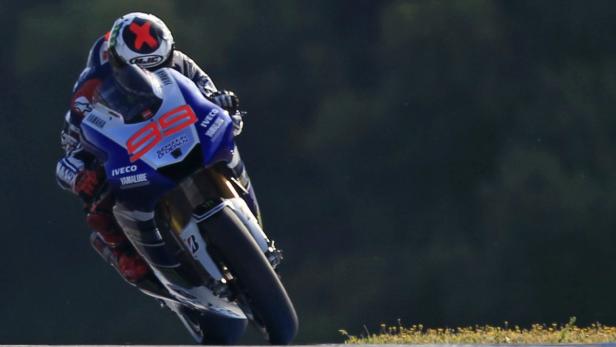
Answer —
142 39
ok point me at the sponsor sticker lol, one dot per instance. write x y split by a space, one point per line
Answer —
134 180
96 121
82 105
172 122
215 127
146 60
193 244
171 146
209 117
114 35
123 170
164 77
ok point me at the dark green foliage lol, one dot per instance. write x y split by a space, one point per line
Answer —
443 162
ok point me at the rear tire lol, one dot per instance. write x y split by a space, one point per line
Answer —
256 279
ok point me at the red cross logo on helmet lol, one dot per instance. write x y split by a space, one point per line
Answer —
142 35
142 39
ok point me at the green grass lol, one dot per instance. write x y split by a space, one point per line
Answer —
537 334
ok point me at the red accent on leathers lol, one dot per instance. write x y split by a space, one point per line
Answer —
101 220
129 263
86 183
86 90
104 225
132 267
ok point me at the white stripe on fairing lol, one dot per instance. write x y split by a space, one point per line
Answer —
149 244
208 214
136 215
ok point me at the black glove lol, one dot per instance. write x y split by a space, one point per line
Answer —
227 100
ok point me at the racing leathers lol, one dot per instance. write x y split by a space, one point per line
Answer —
80 172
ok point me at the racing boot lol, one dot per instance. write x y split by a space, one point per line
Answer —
111 244
130 265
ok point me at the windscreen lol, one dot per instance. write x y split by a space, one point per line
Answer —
129 91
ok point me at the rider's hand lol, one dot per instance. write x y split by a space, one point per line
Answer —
86 184
227 100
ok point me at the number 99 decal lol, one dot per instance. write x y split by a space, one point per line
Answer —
150 135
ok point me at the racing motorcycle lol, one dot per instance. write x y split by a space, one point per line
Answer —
178 205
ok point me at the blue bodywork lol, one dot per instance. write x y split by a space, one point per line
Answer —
148 183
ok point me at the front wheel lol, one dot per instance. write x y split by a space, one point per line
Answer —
256 280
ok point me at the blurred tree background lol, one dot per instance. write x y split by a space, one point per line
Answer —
438 162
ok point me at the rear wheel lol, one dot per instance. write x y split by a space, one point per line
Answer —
255 279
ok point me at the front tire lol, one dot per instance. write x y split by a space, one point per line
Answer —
256 279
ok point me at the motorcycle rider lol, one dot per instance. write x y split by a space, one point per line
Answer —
144 40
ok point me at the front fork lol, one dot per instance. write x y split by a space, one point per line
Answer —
204 194
239 184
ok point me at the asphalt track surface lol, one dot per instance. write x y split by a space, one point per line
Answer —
332 345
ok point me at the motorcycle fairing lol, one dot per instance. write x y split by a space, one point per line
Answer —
140 184
215 128
137 184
